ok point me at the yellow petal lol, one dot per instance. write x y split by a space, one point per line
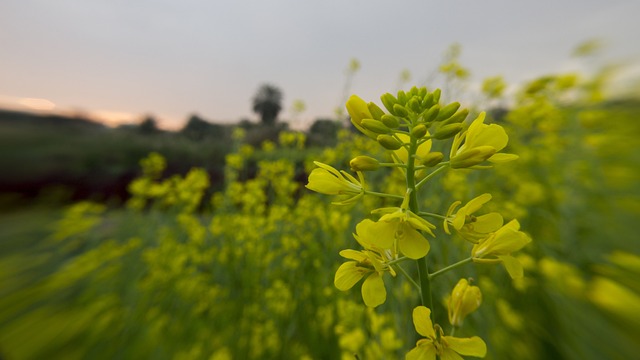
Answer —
379 234
502 158
373 291
488 223
348 274
353 255
421 152
448 354
422 322
411 243
513 266
473 346
476 203
425 351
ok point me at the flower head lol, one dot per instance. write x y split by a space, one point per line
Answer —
400 227
481 142
464 300
327 180
435 343
498 246
472 228
369 263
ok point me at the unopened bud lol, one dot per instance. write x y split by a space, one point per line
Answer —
375 111
431 113
412 92
436 95
432 159
422 92
414 104
447 111
400 110
457 118
464 300
389 142
375 126
447 131
402 97
388 101
390 121
364 163
419 131
427 101
472 157
357 109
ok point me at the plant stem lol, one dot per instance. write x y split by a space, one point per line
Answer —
438 216
399 260
434 173
423 272
367 192
404 272
450 267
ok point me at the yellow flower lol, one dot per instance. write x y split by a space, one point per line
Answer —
446 347
400 227
358 111
369 263
327 180
481 142
421 152
472 228
464 300
499 246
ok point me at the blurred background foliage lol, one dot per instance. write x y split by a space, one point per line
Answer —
210 247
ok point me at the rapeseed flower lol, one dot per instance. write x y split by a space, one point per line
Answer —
327 180
481 142
369 263
472 228
499 245
400 226
436 344
464 300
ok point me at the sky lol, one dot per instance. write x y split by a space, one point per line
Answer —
119 60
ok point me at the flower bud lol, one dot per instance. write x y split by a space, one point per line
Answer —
375 126
389 142
375 111
447 111
432 159
457 118
388 101
427 101
357 109
400 110
364 163
472 157
402 97
390 121
419 131
446 131
464 300
431 113
414 104
436 95
422 92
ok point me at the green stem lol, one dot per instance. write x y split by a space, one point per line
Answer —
434 173
437 216
423 272
406 275
391 196
399 260
450 267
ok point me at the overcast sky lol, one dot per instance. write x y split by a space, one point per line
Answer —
174 58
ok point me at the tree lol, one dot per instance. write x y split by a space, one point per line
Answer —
148 126
268 103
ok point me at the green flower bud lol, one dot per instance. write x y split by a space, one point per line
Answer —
419 131
447 111
431 114
400 110
446 131
414 104
390 121
436 95
428 101
457 118
364 163
432 159
388 101
422 92
375 111
402 97
472 157
389 142
413 92
375 126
